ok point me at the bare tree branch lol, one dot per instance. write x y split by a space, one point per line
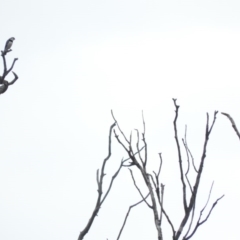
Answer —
164 212
111 183
4 83
152 181
128 212
157 184
146 178
144 141
160 166
130 153
137 145
191 221
100 200
197 182
179 155
117 137
119 128
161 202
138 150
139 189
199 222
190 151
188 162
233 123
13 63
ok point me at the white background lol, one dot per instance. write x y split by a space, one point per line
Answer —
80 59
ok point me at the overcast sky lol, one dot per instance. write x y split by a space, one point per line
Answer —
80 59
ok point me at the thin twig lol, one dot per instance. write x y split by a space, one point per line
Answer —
119 128
111 183
199 222
137 145
139 189
144 141
233 123
190 153
128 212
188 162
157 188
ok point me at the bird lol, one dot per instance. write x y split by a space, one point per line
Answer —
8 44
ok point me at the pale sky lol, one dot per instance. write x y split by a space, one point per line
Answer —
80 59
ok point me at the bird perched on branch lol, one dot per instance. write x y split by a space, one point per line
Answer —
8 44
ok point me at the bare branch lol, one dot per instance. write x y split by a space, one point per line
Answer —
4 66
139 189
144 141
134 154
165 214
199 222
147 178
128 212
197 181
117 137
160 166
111 183
179 155
191 221
209 195
130 152
188 165
137 145
161 202
6 84
100 185
3 81
98 181
157 197
13 63
154 182
188 162
119 128
15 78
157 181
195 169
233 124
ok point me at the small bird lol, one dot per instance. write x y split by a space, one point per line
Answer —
8 44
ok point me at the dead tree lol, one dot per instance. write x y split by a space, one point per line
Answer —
185 230
4 84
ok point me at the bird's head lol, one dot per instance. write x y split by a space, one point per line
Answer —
12 38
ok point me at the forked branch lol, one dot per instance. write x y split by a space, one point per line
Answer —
156 189
179 155
199 222
198 177
101 198
127 214
4 84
